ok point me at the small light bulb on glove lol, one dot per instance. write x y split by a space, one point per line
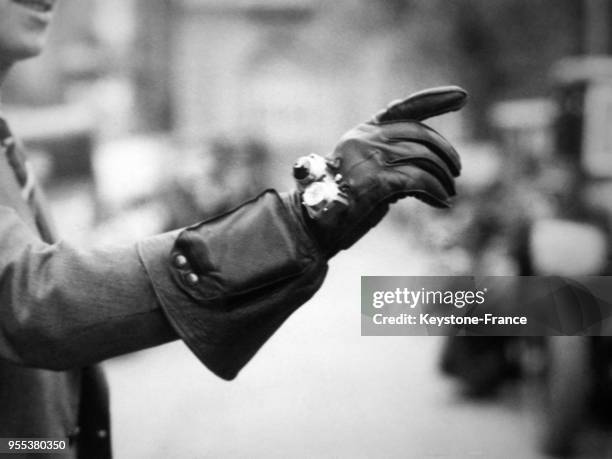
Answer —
321 194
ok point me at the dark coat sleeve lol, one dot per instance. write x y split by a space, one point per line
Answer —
62 307
223 286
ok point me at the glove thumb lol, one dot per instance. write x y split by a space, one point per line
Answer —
423 104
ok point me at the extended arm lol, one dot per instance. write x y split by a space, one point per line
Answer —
225 285
61 307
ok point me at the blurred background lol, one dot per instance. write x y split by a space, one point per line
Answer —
143 116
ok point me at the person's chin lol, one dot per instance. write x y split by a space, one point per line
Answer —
32 51
24 50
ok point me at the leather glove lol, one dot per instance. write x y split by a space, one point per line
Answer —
231 281
392 156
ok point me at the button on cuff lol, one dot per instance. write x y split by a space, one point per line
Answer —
192 279
180 261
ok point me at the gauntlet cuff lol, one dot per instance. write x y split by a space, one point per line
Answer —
231 281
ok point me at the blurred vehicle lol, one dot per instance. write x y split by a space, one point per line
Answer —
499 209
576 243
561 247
556 190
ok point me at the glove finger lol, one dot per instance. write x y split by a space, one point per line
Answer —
423 105
414 131
430 200
412 153
410 180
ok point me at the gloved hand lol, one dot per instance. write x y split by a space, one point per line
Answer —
391 156
240 275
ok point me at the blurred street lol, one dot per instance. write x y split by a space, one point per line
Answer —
319 389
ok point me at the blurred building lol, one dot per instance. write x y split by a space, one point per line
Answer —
298 72
289 75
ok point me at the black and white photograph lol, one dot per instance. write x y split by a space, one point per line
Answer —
261 229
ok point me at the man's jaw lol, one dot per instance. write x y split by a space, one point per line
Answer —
39 6
4 69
